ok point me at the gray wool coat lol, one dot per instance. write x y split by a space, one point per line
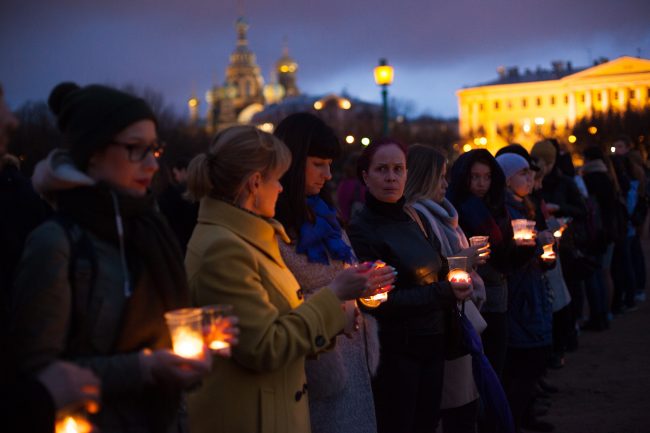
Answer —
340 396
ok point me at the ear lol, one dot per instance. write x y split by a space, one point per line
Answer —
364 175
254 181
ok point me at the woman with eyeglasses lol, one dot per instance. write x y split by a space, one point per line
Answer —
95 281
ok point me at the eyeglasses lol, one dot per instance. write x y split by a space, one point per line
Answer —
138 152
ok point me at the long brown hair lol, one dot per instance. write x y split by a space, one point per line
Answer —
424 164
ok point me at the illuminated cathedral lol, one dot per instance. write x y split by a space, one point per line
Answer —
244 93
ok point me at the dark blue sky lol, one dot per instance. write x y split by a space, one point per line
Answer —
436 47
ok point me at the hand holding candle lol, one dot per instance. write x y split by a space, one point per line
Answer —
461 282
483 248
220 328
380 281
185 328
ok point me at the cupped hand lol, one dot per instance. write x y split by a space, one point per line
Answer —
70 384
167 367
462 290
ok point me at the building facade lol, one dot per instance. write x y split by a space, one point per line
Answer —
524 107
243 92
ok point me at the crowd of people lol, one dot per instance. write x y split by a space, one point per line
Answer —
348 312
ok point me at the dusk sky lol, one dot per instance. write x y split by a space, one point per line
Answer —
436 47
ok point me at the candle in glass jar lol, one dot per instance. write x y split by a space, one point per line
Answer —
523 230
186 333
215 320
187 343
458 276
73 424
377 299
548 253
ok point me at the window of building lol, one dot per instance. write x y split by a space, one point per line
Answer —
538 101
552 100
524 102
510 102
480 107
583 98
599 96
496 105
566 99
632 93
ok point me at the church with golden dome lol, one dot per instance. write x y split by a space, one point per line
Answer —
244 93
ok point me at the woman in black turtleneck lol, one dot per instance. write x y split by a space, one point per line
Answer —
408 384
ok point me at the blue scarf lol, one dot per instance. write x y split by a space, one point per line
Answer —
323 236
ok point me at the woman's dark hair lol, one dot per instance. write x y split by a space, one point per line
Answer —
305 135
363 163
459 185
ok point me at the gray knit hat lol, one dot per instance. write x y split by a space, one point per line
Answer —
511 163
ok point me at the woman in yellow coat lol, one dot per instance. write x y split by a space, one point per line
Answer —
233 258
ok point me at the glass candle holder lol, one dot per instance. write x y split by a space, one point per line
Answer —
548 254
375 300
458 269
481 242
214 323
185 328
524 230
73 422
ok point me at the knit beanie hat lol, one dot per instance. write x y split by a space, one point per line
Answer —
90 117
511 163
545 151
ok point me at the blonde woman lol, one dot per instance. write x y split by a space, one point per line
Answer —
233 258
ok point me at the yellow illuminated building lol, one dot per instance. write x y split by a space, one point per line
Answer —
525 106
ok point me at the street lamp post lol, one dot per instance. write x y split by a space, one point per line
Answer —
384 78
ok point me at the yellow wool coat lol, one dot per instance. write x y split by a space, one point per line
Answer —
233 258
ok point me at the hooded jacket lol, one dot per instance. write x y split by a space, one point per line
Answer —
485 217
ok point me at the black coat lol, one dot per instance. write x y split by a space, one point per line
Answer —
383 231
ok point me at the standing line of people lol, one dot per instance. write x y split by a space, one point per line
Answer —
85 315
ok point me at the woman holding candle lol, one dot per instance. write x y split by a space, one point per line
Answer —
112 265
426 186
530 309
408 385
233 258
477 189
340 396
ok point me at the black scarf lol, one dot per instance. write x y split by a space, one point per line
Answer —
153 256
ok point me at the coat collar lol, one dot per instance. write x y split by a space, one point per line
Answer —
257 231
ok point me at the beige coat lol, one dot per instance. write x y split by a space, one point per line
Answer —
233 258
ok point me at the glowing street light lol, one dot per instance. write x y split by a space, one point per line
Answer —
572 139
365 141
349 139
592 130
384 78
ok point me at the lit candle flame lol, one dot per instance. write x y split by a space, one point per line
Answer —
548 254
73 424
458 276
187 343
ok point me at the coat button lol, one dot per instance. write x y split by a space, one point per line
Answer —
320 341
298 395
300 293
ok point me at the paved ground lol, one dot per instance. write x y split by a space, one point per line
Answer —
605 384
